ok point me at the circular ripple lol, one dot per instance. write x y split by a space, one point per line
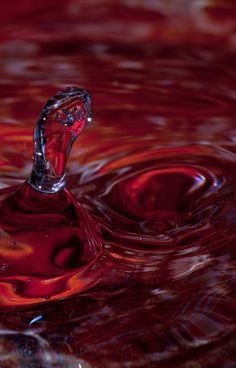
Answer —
169 221
163 197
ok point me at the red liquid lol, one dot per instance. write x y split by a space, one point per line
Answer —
48 243
157 173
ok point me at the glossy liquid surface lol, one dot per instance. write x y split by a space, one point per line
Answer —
48 247
156 172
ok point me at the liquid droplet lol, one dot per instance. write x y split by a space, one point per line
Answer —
4 266
60 122
55 241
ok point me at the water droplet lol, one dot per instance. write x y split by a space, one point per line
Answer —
46 298
4 266
60 122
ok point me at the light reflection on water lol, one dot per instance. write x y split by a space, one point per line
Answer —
162 76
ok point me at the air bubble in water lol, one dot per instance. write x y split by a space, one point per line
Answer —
60 122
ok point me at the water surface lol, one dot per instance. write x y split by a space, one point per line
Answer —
157 172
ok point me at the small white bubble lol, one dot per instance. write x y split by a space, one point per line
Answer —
4 266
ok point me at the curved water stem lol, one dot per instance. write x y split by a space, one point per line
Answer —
60 122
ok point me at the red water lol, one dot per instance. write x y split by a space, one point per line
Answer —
156 172
47 244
